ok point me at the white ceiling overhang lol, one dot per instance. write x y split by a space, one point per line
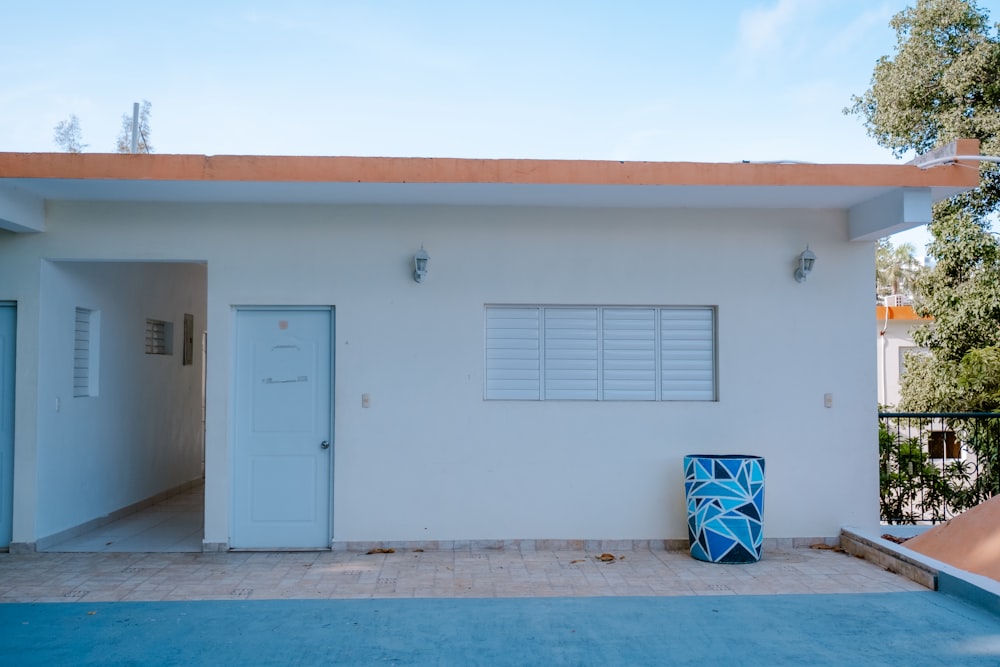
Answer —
873 211
878 199
21 210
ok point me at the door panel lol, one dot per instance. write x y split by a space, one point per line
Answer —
8 330
269 480
283 416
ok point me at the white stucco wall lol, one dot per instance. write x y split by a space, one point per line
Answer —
895 339
431 459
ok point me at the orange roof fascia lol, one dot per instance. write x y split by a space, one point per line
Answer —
901 313
315 169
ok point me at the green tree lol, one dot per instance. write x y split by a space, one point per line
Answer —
979 376
962 294
942 84
124 143
68 135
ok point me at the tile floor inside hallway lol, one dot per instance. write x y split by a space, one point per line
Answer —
173 525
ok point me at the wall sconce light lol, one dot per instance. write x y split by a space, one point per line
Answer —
420 264
805 267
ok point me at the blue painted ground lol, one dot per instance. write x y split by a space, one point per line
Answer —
911 629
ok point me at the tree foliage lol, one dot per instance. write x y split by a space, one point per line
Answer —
124 143
942 84
962 294
979 376
69 136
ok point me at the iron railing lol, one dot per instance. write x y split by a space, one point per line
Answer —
934 465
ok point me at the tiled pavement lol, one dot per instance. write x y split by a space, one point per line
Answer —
468 605
152 561
70 577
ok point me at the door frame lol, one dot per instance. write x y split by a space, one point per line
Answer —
234 356
9 492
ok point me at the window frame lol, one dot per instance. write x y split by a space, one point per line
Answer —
534 380
86 352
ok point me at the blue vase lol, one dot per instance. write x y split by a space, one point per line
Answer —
725 507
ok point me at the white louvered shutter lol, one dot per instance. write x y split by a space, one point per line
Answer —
513 353
571 353
687 354
629 337
81 353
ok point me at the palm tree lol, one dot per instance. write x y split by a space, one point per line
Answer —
895 268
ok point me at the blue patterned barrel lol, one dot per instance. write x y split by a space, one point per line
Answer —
725 507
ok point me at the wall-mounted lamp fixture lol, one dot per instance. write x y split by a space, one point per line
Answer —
805 267
420 264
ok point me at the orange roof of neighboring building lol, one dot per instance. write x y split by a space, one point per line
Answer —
902 313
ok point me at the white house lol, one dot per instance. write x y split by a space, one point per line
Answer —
894 326
580 328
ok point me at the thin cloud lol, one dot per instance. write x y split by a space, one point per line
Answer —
765 28
856 32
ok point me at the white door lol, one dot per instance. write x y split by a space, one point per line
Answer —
283 458
8 330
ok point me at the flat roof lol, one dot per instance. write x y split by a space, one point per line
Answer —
89 175
473 182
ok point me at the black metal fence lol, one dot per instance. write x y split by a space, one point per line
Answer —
934 465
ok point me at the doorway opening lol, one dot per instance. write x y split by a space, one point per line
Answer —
121 427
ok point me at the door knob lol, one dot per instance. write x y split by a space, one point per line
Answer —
324 445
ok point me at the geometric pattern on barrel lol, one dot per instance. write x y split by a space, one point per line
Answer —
725 507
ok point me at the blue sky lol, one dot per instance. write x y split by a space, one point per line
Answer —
663 80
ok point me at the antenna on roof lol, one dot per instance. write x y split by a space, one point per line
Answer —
135 127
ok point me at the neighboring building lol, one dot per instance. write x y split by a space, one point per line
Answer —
895 326
582 326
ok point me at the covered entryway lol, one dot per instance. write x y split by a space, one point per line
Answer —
283 422
120 401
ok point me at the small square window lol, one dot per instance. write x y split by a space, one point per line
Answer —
909 352
159 337
943 445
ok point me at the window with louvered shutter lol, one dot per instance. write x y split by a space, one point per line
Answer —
86 346
655 353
